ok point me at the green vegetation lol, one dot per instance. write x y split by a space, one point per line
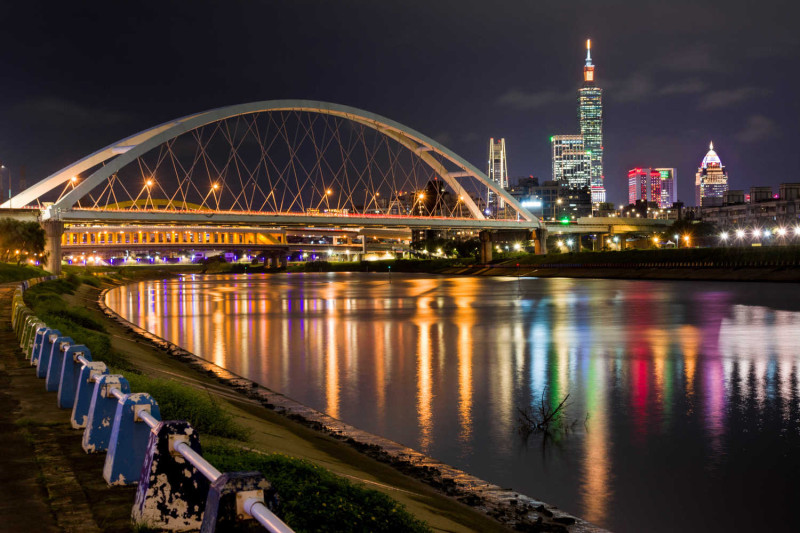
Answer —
19 240
19 272
182 402
313 499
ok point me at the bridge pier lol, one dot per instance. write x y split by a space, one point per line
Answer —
52 245
486 247
540 244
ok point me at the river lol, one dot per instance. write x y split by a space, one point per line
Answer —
683 409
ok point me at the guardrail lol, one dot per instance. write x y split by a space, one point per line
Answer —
177 488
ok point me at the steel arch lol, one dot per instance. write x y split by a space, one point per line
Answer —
127 150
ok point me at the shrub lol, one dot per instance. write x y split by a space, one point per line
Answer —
181 402
314 499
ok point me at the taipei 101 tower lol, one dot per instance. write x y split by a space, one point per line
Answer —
590 115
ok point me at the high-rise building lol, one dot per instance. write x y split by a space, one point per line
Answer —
711 180
571 162
644 184
590 117
669 186
498 173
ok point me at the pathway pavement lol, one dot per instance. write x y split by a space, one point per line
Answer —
47 482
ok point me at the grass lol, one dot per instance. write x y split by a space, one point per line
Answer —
12 272
315 500
182 402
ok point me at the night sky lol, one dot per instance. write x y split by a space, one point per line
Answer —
76 76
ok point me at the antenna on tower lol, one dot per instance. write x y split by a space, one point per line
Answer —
588 51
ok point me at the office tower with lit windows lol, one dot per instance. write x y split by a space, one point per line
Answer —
711 180
669 186
644 184
571 162
590 117
498 173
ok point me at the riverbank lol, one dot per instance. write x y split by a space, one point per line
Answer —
429 495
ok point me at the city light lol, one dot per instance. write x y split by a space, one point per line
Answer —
740 233
767 233
723 235
781 232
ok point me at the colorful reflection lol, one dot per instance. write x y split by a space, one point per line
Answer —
674 388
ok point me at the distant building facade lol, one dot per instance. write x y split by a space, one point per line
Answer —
498 173
644 184
711 180
762 209
590 118
571 163
669 186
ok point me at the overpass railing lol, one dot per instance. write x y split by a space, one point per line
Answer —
177 489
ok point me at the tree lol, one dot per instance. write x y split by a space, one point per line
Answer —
25 237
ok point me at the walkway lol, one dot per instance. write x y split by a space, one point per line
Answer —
47 482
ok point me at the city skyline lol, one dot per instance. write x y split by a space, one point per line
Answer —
78 78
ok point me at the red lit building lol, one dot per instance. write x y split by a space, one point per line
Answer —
644 184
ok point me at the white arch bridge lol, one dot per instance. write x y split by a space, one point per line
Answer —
283 164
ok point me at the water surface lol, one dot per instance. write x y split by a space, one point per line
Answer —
683 396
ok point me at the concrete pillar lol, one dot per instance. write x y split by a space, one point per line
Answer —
52 245
540 245
486 247
579 246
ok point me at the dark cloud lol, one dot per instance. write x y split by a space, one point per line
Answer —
54 111
758 128
729 97
691 86
525 101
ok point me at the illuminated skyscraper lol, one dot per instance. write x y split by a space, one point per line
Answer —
669 186
498 173
590 116
644 184
711 180
571 163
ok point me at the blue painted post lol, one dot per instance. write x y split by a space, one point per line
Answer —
101 412
171 493
226 497
56 359
83 394
36 347
47 348
129 438
70 371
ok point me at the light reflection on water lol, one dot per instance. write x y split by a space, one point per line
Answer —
684 395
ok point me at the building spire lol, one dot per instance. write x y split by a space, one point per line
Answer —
711 145
588 52
588 69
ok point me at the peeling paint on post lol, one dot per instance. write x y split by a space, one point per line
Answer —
83 394
70 371
171 494
129 439
226 496
102 411
47 348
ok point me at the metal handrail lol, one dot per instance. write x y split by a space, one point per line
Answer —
253 507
